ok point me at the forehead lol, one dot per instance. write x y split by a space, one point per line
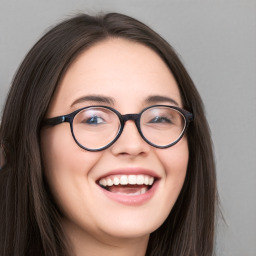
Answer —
118 68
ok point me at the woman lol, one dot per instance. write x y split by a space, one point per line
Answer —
105 147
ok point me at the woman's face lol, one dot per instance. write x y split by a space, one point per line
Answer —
126 76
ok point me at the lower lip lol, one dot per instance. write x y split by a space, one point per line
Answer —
132 200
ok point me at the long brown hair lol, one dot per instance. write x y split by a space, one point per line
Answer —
29 218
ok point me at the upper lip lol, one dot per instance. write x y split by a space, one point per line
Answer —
130 171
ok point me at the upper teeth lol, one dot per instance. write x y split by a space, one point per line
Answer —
127 179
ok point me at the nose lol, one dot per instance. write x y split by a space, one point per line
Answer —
130 143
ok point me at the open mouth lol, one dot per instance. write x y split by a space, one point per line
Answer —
130 185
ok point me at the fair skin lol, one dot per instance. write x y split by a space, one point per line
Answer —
95 223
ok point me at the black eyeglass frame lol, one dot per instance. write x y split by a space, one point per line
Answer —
188 117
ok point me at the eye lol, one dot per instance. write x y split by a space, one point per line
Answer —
94 120
161 119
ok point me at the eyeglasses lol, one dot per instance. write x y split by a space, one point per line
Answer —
95 128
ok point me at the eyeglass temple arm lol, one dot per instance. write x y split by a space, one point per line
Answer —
55 120
190 116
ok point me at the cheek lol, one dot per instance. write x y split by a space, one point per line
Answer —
66 165
175 161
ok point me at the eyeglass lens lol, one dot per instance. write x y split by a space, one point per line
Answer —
96 127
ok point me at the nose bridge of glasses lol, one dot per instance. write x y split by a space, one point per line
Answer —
132 117
127 117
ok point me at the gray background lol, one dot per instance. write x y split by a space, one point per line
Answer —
217 42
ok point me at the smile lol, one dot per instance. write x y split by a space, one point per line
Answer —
129 189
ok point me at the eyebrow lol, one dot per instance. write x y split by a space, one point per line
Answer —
157 98
108 100
95 98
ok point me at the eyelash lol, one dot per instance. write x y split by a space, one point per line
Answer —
93 118
165 119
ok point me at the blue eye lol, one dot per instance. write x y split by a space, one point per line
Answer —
160 119
94 120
